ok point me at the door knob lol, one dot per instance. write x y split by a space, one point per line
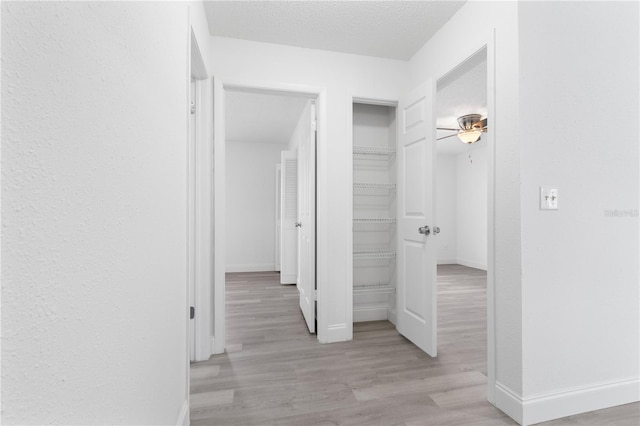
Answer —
298 224
424 230
436 229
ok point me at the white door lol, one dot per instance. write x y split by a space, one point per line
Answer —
416 263
288 217
307 216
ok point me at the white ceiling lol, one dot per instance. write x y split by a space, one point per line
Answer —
391 29
387 29
272 117
261 117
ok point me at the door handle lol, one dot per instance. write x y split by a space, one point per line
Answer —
436 230
298 224
424 230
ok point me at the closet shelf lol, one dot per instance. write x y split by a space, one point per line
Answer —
373 150
372 288
377 254
375 220
366 185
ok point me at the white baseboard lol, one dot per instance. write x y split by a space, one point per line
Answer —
392 315
258 267
338 333
369 313
508 402
447 261
288 279
550 406
471 264
580 400
214 349
183 418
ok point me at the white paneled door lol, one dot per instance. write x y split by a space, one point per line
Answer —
288 217
307 216
416 260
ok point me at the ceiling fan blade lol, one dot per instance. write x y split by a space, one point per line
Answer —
447 128
445 137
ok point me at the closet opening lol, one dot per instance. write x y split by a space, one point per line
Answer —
374 212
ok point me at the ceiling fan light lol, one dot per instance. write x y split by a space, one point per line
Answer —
469 136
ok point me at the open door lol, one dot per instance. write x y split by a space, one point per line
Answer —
307 216
288 217
416 260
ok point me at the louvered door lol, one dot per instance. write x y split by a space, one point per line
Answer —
288 218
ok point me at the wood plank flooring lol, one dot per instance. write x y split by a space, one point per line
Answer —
275 373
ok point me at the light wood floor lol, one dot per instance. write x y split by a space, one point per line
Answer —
275 372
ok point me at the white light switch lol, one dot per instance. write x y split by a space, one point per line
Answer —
548 199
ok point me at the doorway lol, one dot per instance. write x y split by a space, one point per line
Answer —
262 126
462 171
258 128
199 208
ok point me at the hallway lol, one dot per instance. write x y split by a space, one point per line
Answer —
275 372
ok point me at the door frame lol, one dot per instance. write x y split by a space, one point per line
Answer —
322 246
365 100
199 205
445 66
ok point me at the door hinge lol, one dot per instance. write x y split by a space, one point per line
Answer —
192 312
314 125
315 295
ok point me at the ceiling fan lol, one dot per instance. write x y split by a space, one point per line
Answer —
471 127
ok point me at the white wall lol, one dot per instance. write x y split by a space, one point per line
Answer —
251 204
447 209
94 108
339 76
471 212
200 28
581 320
462 208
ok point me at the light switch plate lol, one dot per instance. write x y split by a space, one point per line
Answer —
548 199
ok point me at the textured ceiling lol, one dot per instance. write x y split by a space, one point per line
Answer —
272 117
391 29
462 91
388 29
260 117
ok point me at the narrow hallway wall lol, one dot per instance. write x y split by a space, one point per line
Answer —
94 139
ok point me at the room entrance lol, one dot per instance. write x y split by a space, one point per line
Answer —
269 150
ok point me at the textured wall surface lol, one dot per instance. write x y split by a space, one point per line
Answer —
580 263
251 205
94 100
446 209
471 204
462 208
